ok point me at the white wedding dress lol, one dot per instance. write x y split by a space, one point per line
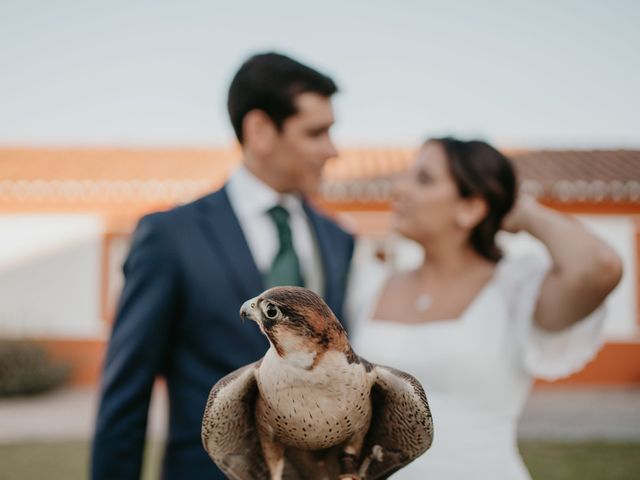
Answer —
477 370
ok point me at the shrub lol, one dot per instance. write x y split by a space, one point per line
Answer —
26 369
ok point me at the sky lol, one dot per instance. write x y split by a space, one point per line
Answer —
543 74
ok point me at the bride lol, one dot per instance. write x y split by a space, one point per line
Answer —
473 326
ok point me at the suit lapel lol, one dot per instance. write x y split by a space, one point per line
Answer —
223 227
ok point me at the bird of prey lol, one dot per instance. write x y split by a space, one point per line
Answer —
311 409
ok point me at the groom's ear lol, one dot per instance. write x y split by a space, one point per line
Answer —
259 132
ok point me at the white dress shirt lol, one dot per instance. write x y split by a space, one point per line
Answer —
250 200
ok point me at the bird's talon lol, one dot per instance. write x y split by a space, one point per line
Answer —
377 453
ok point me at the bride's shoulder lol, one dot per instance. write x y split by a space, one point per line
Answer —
374 274
367 277
369 272
515 272
522 264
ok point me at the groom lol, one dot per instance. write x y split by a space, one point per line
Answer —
190 269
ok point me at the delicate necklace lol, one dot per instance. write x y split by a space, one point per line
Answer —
423 302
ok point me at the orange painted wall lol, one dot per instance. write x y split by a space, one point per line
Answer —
617 364
85 357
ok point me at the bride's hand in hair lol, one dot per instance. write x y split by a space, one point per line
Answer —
518 217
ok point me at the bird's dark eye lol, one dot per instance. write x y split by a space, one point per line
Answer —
271 311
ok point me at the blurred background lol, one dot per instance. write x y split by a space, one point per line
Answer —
109 110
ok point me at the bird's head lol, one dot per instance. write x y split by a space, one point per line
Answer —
296 320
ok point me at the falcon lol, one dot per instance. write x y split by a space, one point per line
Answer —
311 409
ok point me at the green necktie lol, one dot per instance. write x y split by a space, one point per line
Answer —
285 269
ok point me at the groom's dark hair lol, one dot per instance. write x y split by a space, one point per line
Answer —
270 82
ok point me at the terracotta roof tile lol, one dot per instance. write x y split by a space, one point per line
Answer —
176 175
551 166
564 175
116 164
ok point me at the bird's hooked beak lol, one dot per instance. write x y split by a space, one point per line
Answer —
250 310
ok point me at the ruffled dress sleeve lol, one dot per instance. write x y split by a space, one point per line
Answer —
548 355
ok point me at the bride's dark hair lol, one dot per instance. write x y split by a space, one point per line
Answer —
479 170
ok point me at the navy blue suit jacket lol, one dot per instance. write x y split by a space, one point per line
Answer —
188 271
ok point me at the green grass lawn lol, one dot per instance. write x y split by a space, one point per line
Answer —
59 461
587 461
546 461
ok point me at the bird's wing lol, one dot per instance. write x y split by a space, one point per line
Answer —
229 431
401 422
